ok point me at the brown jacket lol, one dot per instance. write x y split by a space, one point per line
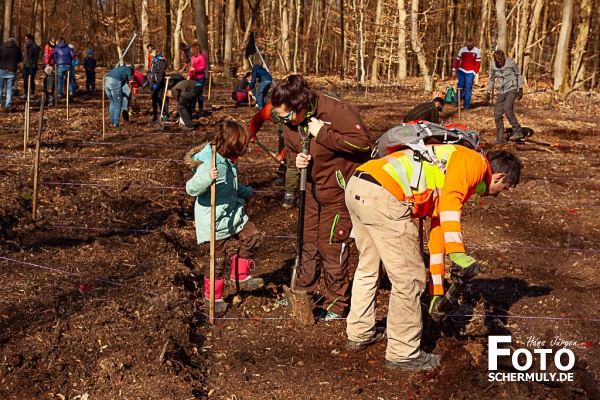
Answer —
341 145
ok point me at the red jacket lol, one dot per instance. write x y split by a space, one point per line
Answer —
467 60
258 120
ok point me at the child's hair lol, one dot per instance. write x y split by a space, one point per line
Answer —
195 49
232 139
248 74
505 162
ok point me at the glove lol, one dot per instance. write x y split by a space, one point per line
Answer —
153 87
487 97
464 266
520 94
434 309
454 73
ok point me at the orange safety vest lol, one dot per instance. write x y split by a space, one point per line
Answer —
436 192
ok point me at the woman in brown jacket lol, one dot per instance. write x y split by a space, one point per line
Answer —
339 143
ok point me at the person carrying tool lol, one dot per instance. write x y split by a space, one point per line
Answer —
231 221
114 81
186 94
291 172
339 143
468 63
429 111
156 80
382 197
509 87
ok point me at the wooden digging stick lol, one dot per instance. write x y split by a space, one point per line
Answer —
213 205
68 83
209 84
458 94
248 99
103 112
28 105
36 168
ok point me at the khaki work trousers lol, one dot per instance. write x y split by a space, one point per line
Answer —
385 234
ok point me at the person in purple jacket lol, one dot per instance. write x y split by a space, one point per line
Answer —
63 58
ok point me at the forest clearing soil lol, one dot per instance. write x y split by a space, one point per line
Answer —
105 314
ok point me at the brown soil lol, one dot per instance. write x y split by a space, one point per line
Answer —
111 313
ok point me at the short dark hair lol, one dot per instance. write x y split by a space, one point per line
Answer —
182 46
232 139
29 36
61 40
294 93
499 56
505 162
248 74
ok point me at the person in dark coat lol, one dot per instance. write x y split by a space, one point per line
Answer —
186 93
10 57
63 58
90 64
429 111
30 64
156 80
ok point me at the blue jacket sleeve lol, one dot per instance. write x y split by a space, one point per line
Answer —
200 182
244 192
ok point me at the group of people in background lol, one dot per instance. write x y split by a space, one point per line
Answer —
59 60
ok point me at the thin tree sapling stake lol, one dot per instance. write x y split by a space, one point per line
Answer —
209 84
68 83
213 203
28 105
36 168
458 100
103 111
56 85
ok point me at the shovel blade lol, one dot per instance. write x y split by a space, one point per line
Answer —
300 306
160 124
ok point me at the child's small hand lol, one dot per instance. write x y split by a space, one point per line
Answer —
214 174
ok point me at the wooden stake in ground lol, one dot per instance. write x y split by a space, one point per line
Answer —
26 119
56 85
28 104
36 168
103 112
458 94
248 99
68 83
209 84
213 205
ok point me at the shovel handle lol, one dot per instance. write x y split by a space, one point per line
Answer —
301 208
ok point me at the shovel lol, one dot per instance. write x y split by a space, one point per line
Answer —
298 300
161 122
269 152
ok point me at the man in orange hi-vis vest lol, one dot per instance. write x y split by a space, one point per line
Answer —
382 196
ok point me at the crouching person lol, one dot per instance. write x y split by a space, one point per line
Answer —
186 94
381 203
231 222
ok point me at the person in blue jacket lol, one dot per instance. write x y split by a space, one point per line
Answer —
90 64
231 221
113 87
265 80
63 58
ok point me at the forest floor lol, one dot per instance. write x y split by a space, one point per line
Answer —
101 296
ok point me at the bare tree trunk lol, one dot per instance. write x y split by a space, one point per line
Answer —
524 22
361 46
342 41
117 33
375 63
227 53
39 18
583 29
285 34
306 48
167 49
8 9
253 14
145 32
401 40
562 49
501 43
201 20
417 46
535 20
183 4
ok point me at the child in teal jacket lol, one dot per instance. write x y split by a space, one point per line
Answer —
230 219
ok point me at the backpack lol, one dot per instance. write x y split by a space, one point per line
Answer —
450 97
419 135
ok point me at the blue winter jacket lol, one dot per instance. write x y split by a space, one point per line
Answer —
230 217
63 54
262 74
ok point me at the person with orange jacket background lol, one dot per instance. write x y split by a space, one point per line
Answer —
382 197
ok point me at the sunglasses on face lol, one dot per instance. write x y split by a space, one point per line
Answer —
287 117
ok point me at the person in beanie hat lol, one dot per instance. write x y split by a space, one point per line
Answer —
49 84
90 64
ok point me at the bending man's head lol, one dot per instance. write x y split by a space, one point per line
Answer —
506 171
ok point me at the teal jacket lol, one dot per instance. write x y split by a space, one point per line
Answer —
230 217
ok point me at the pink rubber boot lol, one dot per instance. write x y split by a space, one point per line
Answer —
220 304
240 274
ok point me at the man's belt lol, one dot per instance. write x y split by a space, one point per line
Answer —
366 176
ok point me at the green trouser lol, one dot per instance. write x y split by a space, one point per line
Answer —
291 174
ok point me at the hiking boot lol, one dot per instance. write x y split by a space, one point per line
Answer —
220 304
377 336
425 362
289 200
125 114
329 316
280 181
187 128
498 141
240 274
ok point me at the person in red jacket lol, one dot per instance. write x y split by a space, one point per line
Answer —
467 62
382 198
291 172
